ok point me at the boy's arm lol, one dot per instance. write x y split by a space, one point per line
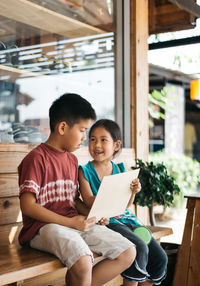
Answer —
81 207
31 209
85 190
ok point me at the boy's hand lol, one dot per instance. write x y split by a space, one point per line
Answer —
135 186
103 221
80 222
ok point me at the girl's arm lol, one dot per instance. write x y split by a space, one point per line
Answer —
135 188
85 190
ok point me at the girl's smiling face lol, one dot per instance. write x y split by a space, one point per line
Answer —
101 144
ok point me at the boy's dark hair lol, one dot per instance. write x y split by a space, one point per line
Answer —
111 126
71 108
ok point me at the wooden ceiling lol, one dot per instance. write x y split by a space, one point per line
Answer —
164 16
88 19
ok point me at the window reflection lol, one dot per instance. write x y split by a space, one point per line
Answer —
37 66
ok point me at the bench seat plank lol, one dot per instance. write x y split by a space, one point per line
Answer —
159 231
18 263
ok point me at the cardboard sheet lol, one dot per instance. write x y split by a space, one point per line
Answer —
113 195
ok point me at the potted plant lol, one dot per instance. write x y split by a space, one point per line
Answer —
157 186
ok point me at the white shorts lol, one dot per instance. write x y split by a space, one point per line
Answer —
69 244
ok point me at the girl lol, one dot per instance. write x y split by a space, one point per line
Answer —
149 267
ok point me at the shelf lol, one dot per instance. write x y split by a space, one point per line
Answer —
15 73
42 18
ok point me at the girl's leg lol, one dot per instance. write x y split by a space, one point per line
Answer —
80 273
157 263
137 271
107 269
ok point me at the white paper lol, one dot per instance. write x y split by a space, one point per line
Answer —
113 195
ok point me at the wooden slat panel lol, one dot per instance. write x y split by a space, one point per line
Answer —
82 155
40 17
127 155
9 233
9 210
9 185
9 161
16 147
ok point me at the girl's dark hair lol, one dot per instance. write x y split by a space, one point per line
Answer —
71 108
111 126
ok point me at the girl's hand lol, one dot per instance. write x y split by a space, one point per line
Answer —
135 186
103 221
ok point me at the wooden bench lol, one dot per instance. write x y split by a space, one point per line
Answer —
25 266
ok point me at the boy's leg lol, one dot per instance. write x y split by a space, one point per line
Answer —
129 283
80 273
107 269
70 248
119 251
146 283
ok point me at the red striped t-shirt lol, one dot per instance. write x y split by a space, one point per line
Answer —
52 176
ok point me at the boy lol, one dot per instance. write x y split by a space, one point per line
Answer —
48 191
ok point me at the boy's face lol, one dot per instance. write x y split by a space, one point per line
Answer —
74 136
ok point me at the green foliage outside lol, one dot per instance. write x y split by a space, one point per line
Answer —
184 170
157 98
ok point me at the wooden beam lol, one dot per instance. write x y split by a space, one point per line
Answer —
139 77
42 18
151 15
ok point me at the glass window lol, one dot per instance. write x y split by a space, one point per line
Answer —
47 48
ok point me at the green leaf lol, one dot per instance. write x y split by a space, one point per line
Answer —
156 184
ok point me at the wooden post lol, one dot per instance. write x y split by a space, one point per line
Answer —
139 85
183 258
139 77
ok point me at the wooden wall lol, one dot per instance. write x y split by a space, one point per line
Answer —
11 154
10 219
